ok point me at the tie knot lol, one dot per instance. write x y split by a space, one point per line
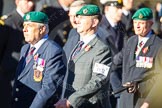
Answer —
31 50
80 43
141 44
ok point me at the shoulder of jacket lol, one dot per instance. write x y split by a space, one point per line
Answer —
4 17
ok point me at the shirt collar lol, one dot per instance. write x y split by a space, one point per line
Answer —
87 39
20 12
144 39
111 23
39 43
125 12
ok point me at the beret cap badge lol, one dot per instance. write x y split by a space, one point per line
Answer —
140 16
27 16
85 11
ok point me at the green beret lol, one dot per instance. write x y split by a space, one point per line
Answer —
35 16
115 3
143 14
89 10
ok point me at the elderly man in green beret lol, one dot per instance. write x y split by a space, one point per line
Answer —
40 70
139 60
85 84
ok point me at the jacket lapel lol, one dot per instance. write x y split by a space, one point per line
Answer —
144 50
29 66
84 50
21 63
132 49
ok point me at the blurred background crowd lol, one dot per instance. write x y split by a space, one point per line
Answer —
6 6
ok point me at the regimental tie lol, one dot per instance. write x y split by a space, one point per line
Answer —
30 54
139 47
77 49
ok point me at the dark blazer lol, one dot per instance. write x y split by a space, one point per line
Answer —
112 37
115 39
131 72
29 93
73 39
15 40
12 40
85 88
5 91
128 23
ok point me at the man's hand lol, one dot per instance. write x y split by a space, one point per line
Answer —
132 86
64 103
145 105
161 19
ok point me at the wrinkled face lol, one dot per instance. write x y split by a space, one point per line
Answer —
142 27
33 32
128 4
72 15
114 13
25 5
85 24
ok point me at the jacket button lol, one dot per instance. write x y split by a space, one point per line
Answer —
16 99
17 89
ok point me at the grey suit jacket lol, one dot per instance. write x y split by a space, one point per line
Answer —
85 88
33 94
131 72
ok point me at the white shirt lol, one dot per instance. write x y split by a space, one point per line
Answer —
20 12
39 43
111 23
125 12
143 40
87 39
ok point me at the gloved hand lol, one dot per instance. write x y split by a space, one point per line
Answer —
132 87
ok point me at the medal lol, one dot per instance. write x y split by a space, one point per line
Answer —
87 48
38 67
38 75
145 62
36 57
145 50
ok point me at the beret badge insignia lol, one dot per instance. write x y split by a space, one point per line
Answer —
140 16
28 17
85 11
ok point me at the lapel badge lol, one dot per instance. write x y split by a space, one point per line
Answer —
36 56
87 48
145 50
38 75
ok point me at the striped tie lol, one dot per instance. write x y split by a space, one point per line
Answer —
78 48
30 54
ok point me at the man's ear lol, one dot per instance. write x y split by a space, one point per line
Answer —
42 29
16 2
95 22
